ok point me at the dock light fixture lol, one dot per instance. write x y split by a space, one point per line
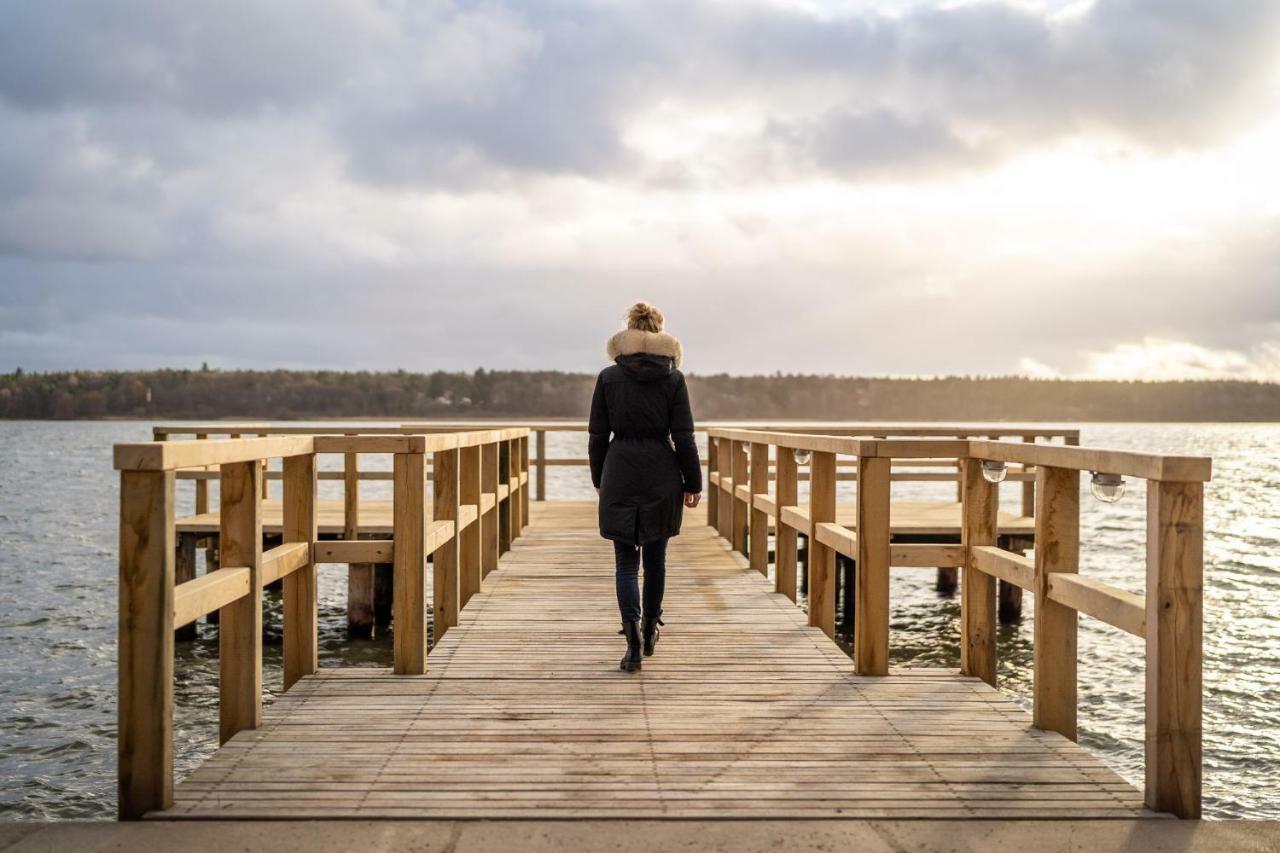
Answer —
802 456
993 471
1107 488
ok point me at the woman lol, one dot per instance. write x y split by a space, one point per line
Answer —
649 469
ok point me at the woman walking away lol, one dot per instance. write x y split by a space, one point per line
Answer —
647 471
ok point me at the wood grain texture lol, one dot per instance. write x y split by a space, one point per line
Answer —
743 712
822 558
468 534
759 525
871 576
489 508
240 623
444 560
409 607
145 705
980 501
301 631
1057 553
784 538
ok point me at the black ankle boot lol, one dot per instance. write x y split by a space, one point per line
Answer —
631 660
651 624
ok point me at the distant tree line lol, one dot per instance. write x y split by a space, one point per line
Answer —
286 394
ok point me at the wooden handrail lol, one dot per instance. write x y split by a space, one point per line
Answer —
1168 617
152 605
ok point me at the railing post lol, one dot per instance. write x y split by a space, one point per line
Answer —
784 540
759 543
740 478
871 575
240 624
822 559
713 491
145 706
503 475
360 576
469 537
202 485
409 607
489 520
542 464
513 490
524 490
1029 486
977 589
444 507
724 512
1057 550
1175 572
301 655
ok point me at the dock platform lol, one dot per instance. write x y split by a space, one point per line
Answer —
744 712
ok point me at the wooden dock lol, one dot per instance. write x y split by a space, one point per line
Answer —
745 711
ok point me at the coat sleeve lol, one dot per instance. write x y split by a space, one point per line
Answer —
682 438
598 433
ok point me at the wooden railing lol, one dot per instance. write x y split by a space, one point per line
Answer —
1168 616
463 535
540 462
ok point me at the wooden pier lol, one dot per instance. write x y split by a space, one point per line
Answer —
749 709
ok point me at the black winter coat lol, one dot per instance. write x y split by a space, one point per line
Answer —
651 461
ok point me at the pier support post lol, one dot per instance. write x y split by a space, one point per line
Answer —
489 520
145 707
469 537
1175 571
410 556
785 494
822 559
301 637
1057 550
444 498
184 569
741 477
759 545
524 491
240 626
713 490
977 589
541 436
871 576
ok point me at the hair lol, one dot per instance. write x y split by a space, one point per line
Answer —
645 317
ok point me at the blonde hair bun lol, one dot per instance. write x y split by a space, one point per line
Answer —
645 317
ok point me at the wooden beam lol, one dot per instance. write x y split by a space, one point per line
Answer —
354 551
871 577
207 593
1102 601
741 477
488 508
1148 466
713 489
144 709
541 449
301 615
980 502
822 559
1057 558
370 444
839 538
784 537
795 517
759 525
724 478
240 623
360 576
1004 565
468 532
168 455
409 607
926 555
524 479
1175 572
444 507
283 560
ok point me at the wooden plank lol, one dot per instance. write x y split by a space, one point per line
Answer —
713 482
871 578
926 555
283 560
980 501
741 477
724 484
837 537
794 517
240 623
1057 558
444 559
469 533
1101 600
785 494
1148 466
209 592
822 559
759 519
301 654
524 478
409 606
488 509
1004 565
1175 578
144 711
168 455
541 438
354 444
354 550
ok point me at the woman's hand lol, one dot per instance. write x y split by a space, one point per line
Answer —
691 499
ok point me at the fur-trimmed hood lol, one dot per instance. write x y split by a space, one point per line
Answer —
632 341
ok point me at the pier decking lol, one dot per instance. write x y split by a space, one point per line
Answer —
745 711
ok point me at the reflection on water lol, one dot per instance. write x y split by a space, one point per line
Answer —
58 588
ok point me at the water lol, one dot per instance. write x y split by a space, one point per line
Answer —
58 504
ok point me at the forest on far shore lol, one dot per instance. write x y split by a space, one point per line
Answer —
294 394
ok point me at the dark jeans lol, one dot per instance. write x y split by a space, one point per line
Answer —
627 558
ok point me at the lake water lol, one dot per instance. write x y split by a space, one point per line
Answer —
58 505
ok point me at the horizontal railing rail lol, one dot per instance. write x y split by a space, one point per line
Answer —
1168 616
479 504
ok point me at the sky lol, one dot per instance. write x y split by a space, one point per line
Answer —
1078 189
